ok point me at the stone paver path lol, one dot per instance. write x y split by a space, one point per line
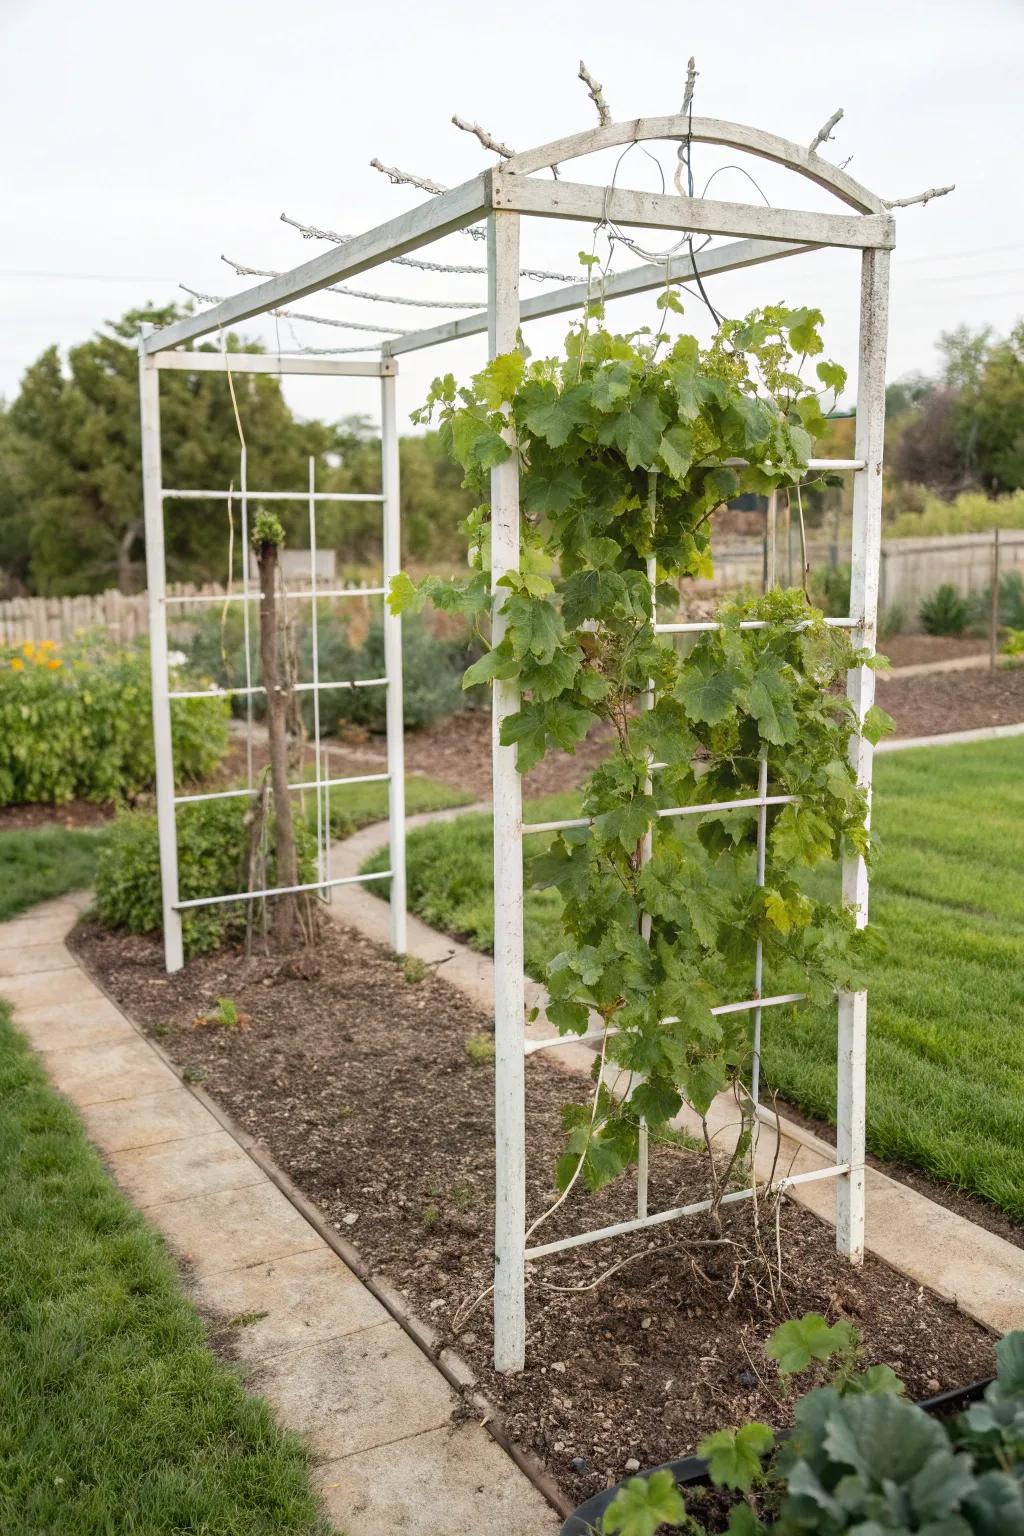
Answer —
332 1361
980 1271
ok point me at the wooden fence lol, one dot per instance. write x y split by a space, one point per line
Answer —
123 617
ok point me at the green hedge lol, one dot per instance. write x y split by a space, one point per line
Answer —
213 841
432 667
78 724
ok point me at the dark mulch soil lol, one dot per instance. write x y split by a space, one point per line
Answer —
74 813
954 701
914 650
360 1084
457 751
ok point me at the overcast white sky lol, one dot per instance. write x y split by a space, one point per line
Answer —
142 140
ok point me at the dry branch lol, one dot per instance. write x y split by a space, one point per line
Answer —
296 314
824 134
596 94
406 178
486 139
922 197
691 80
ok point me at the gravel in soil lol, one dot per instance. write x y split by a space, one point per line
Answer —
375 1094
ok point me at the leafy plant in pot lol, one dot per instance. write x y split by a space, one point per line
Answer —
626 446
859 1458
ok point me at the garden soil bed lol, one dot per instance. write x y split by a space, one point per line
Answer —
916 650
953 701
360 1084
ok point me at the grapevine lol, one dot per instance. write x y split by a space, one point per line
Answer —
626 445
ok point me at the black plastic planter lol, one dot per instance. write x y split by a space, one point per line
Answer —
692 1471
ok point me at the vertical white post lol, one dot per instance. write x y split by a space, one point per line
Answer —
866 559
762 847
509 1029
156 586
323 814
393 658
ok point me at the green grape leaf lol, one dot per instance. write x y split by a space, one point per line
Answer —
403 595
498 382
795 1344
708 689
533 627
644 1504
771 702
877 724
496 663
832 376
734 1458
635 429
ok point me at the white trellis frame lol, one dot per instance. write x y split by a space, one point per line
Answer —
503 196
155 499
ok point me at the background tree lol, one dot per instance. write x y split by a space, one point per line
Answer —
71 483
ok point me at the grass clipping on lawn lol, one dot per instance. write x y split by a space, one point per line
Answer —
114 1414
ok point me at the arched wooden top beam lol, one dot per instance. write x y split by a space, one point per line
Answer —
702 130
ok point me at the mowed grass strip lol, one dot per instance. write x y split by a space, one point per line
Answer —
114 1415
946 999
45 862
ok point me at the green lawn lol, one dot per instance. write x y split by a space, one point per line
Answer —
43 863
46 862
114 1415
353 805
946 1038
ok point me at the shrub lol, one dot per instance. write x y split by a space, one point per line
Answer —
79 724
213 839
945 612
432 668
1010 612
830 590
891 621
971 512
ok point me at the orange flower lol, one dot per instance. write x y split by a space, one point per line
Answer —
54 662
17 665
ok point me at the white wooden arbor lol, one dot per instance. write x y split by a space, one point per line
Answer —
504 196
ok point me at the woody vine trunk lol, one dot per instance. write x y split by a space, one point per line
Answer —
286 911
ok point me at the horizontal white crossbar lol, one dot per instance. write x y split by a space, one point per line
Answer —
706 626
303 496
255 597
811 463
676 810
657 210
639 1223
229 693
279 890
238 794
600 1033
273 363
616 285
